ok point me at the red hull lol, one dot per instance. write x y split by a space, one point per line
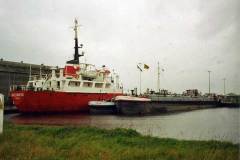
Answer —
48 101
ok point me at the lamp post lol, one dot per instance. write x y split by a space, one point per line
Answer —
224 86
140 78
158 80
209 87
158 77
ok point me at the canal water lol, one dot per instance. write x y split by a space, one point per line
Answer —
208 124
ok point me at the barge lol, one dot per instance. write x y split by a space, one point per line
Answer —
129 105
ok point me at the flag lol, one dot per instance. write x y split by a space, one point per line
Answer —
76 22
146 66
139 68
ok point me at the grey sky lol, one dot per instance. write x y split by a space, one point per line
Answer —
187 37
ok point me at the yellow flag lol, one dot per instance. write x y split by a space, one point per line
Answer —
146 66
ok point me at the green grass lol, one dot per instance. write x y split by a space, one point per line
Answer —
55 142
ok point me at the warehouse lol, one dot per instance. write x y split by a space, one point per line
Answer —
17 73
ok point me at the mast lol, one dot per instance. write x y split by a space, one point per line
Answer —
76 52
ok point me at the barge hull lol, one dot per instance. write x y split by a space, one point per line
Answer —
155 107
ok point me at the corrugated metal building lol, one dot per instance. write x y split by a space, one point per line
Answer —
17 73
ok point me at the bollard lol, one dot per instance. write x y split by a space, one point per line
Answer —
1 112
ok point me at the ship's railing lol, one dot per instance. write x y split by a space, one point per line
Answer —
36 77
109 79
86 66
179 98
18 87
231 99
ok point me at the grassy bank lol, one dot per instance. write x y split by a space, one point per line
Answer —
41 142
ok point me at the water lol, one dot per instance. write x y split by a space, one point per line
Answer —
209 124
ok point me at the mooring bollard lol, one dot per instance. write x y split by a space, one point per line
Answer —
1 112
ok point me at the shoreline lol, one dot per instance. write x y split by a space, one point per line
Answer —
65 142
181 125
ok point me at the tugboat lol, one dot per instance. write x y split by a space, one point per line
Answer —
67 89
102 107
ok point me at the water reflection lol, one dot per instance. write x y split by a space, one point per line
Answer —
217 124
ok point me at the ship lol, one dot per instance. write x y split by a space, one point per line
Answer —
67 89
103 107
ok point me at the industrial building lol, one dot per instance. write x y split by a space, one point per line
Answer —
17 73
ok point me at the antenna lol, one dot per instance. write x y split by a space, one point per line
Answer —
75 28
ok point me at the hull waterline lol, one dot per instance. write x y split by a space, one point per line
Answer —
50 101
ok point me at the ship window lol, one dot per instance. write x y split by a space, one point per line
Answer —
98 85
74 84
87 84
108 85
58 84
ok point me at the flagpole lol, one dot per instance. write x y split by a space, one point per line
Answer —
140 82
140 78
158 80
140 74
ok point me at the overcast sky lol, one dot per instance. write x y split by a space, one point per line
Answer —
187 37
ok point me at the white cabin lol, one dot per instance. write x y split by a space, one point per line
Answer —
84 78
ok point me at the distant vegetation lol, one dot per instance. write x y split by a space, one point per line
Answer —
52 142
